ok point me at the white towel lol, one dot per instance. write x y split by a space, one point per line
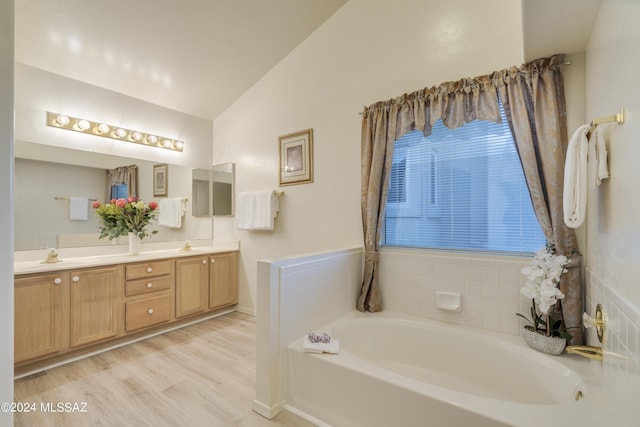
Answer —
265 210
171 211
332 347
575 178
78 208
244 211
600 150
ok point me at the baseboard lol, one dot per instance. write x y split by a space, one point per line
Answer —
313 420
267 411
245 310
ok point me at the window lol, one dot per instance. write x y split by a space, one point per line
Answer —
460 189
119 191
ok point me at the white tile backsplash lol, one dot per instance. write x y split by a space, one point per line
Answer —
489 285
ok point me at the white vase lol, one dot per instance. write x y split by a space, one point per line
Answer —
549 345
134 244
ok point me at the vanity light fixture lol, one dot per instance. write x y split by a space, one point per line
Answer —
75 124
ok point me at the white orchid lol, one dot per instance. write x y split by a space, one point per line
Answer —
543 278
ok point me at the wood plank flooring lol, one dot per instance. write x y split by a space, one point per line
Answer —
200 375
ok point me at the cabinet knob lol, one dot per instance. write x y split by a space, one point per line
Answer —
204 261
149 269
213 261
150 311
57 280
149 285
75 279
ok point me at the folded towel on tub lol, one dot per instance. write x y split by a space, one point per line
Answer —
332 346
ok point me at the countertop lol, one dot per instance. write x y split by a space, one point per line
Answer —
31 261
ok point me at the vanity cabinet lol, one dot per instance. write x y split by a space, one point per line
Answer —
95 304
41 305
192 278
147 294
223 280
60 314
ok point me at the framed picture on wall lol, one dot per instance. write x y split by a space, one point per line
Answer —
296 158
161 180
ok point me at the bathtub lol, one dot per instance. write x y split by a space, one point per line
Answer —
394 370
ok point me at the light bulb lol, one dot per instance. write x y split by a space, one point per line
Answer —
179 145
62 120
121 133
136 136
167 143
84 124
152 139
103 128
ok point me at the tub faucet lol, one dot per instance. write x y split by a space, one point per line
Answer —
588 351
52 258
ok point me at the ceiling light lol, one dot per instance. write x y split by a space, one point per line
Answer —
102 128
62 120
83 124
75 124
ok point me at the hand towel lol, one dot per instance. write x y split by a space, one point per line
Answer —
170 213
332 347
600 149
244 211
265 210
574 198
78 208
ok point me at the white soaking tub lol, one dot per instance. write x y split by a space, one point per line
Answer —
394 370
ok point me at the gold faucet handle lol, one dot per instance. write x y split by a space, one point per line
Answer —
597 322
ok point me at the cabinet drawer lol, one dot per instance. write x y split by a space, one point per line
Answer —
147 312
142 286
147 269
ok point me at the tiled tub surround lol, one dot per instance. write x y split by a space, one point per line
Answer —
296 296
489 286
621 367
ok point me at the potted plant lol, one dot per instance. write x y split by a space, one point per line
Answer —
543 277
122 217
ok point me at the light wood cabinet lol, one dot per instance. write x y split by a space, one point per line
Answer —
148 294
192 279
95 304
223 280
41 305
80 310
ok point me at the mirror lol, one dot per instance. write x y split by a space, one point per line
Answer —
44 172
223 183
201 188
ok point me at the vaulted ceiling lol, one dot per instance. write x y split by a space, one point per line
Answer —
194 56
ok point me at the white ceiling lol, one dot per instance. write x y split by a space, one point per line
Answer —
194 56
199 56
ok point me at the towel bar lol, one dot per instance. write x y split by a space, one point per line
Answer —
616 118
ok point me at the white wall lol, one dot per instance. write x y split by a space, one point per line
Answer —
613 231
366 52
6 209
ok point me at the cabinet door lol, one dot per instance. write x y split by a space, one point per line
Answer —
41 306
223 280
192 276
95 304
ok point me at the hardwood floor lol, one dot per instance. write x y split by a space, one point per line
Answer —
200 375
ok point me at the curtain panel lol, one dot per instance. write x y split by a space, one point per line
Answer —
123 175
533 99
